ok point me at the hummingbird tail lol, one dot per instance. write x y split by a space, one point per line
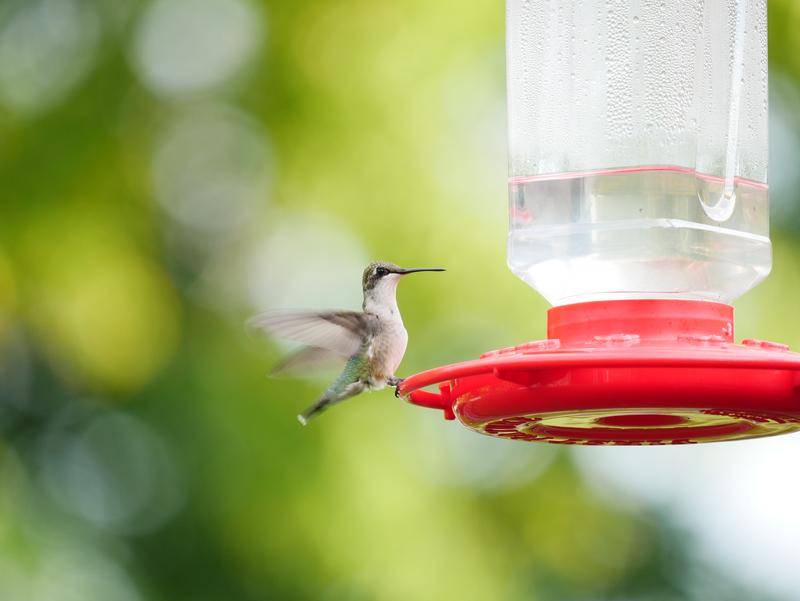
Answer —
315 409
342 389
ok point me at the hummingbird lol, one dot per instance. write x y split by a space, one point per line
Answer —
372 341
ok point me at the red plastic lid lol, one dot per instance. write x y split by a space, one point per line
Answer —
623 372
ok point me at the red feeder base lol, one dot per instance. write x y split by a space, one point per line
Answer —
629 372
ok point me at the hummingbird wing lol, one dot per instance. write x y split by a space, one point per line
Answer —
341 332
309 357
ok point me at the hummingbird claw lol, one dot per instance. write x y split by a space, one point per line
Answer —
396 383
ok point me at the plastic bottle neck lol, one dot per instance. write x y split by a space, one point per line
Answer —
647 319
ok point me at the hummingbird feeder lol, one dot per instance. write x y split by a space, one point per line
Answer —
638 207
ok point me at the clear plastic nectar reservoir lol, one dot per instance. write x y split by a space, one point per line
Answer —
638 148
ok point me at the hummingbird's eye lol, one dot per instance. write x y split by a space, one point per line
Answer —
381 271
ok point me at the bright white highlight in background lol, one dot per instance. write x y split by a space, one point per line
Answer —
210 170
46 48
306 262
186 46
113 471
739 499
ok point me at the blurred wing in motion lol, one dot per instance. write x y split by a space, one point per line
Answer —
307 358
340 332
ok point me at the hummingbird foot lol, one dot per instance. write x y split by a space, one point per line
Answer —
396 383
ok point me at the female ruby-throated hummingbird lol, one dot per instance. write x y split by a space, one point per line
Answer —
372 341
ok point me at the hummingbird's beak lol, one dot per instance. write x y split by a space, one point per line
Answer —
405 271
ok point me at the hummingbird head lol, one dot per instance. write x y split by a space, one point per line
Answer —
380 283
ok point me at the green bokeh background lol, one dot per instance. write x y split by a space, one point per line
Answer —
145 213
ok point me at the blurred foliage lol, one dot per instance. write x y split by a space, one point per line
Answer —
168 168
